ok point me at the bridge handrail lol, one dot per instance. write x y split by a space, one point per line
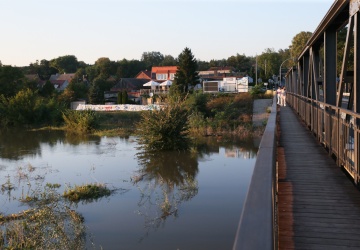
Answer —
333 107
336 128
257 221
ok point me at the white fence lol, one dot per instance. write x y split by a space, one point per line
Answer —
118 107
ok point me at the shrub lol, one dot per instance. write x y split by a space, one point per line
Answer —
27 107
80 121
165 129
222 113
197 102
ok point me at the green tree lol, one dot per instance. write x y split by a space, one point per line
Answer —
243 63
105 67
186 75
268 64
169 61
65 64
80 89
119 97
124 97
95 96
298 43
129 68
153 58
66 97
11 80
203 65
91 73
341 40
80 76
45 70
217 63
23 108
96 91
48 89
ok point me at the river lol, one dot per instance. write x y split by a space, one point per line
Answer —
203 190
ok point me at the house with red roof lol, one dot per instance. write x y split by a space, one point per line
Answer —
61 81
144 74
163 73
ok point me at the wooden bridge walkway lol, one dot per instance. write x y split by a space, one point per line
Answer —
318 205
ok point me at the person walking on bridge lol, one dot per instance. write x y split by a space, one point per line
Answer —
283 97
278 95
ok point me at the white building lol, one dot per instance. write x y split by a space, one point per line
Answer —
228 84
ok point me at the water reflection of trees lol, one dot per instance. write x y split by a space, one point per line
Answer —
234 147
165 179
18 143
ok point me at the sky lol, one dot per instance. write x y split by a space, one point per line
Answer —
117 29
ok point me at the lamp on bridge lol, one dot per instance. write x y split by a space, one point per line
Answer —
292 58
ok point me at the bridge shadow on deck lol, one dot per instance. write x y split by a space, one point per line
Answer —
318 205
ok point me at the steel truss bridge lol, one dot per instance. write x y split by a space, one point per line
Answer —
304 190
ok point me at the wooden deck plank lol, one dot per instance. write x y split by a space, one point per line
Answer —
318 205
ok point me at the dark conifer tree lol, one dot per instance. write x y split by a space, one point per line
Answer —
186 75
124 97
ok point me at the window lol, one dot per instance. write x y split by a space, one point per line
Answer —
161 76
172 76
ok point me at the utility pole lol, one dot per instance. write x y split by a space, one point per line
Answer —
256 70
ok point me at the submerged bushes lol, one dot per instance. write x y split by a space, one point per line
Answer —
199 114
48 224
165 129
80 121
87 192
221 114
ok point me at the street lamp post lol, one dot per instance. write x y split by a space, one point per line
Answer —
280 68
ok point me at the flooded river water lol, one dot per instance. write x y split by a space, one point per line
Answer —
167 200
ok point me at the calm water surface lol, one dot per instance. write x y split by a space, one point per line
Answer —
203 192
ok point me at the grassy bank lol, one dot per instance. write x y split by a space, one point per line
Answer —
209 115
117 123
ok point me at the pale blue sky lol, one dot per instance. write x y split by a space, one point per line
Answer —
89 29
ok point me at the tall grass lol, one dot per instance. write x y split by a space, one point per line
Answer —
49 224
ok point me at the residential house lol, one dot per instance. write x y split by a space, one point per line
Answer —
35 78
66 77
61 81
60 85
217 73
131 85
134 85
144 74
163 73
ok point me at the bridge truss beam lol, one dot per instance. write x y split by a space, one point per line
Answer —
324 89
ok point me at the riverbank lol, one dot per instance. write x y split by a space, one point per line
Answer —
224 115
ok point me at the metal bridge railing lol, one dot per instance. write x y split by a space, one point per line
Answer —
334 127
256 228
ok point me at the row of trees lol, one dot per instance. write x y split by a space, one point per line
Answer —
91 81
267 63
